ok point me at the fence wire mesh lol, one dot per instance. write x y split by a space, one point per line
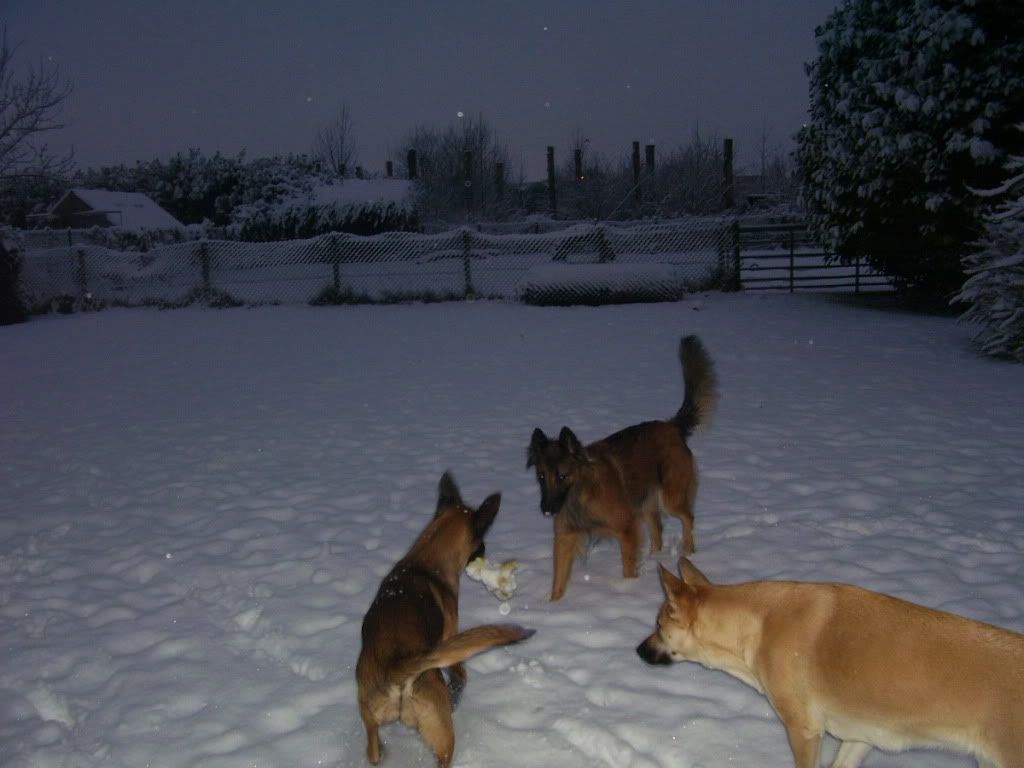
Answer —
663 259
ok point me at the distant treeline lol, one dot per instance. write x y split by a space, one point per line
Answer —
462 173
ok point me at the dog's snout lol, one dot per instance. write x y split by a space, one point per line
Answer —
651 654
550 504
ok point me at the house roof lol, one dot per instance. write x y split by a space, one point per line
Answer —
130 210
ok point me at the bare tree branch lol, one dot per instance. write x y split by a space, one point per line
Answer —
333 145
31 104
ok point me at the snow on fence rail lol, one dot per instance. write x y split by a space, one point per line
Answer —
661 260
389 267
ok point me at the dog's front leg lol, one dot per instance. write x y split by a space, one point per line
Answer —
851 754
567 544
804 739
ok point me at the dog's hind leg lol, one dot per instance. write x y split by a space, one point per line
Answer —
650 509
434 718
372 735
678 496
851 754
456 682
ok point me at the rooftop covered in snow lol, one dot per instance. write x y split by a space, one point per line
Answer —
79 208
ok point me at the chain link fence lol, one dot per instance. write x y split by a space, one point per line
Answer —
584 261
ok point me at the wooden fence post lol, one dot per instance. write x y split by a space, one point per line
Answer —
728 180
577 161
467 181
552 195
389 169
638 193
499 182
410 161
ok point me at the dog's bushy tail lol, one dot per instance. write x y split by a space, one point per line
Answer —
700 384
459 648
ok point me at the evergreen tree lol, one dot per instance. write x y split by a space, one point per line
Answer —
995 284
913 104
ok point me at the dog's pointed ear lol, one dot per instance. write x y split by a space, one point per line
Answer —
448 493
691 574
485 514
670 583
537 443
680 598
568 440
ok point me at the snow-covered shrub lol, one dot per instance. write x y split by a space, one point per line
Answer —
995 283
598 284
913 104
332 296
300 219
138 239
195 188
12 307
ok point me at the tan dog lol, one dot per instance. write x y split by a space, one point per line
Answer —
410 632
872 670
607 488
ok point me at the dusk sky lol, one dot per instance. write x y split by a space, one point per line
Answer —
155 78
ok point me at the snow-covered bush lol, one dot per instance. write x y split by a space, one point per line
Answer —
196 188
995 283
599 284
913 104
138 239
296 220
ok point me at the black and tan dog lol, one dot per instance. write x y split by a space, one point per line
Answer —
410 633
608 487
872 670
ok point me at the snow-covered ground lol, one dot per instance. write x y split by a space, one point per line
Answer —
198 505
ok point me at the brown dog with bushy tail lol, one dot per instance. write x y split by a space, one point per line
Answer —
872 670
608 487
411 631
